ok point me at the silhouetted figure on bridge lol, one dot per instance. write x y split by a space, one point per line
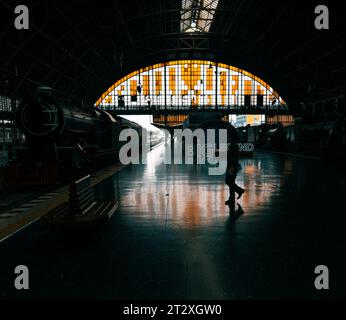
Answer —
148 101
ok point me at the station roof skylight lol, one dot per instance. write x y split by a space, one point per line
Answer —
197 15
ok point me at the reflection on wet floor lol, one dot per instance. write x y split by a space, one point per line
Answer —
186 194
173 237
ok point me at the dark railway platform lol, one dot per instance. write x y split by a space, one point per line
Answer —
173 237
19 212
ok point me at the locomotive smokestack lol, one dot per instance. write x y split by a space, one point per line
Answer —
44 91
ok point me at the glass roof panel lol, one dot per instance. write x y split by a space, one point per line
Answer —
197 15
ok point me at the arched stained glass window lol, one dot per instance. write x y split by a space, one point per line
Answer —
190 83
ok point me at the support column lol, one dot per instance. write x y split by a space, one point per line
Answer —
13 126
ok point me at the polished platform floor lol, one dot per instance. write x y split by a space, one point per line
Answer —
173 237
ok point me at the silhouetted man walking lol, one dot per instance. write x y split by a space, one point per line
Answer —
231 173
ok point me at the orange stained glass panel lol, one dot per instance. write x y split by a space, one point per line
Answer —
260 90
191 74
248 87
158 82
172 80
210 76
235 84
133 87
146 85
109 99
223 87
223 82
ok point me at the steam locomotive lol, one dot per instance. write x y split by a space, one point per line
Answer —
61 141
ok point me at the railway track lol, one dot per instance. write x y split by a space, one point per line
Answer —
13 197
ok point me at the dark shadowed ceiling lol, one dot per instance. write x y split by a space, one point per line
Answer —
81 47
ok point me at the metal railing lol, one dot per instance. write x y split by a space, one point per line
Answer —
230 109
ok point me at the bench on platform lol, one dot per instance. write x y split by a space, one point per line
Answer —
82 207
